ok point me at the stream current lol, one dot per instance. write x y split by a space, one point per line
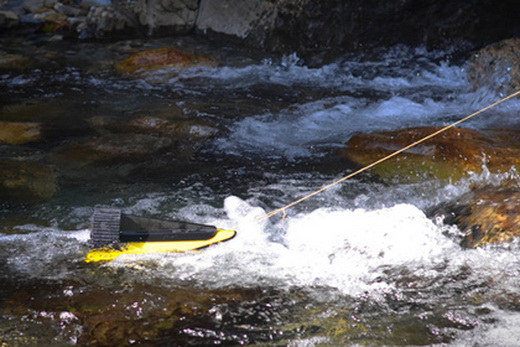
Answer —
358 264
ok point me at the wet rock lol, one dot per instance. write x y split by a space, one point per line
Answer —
28 111
16 133
110 147
450 155
180 129
70 11
497 67
24 182
145 314
486 215
160 58
53 20
14 61
8 19
36 5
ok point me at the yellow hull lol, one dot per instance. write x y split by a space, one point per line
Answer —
108 254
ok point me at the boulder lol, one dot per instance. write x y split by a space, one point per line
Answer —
8 19
160 58
14 61
37 5
235 17
25 182
311 26
167 16
145 314
486 215
17 133
497 67
450 155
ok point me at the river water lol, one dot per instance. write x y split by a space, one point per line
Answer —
358 264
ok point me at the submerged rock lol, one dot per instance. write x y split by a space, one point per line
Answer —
144 314
486 215
497 67
24 182
16 133
451 155
14 61
160 58
179 129
112 147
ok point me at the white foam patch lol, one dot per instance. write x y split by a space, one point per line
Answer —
299 131
348 249
503 332
343 249
293 134
44 252
286 72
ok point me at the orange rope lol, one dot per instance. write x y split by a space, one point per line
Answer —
391 155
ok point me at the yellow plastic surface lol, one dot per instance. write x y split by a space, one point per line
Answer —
108 254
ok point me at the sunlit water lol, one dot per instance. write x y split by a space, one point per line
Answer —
364 253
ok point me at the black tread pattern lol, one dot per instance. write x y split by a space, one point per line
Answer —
105 227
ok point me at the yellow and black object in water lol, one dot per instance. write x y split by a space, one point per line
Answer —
114 234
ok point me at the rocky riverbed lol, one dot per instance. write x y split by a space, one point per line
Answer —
422 249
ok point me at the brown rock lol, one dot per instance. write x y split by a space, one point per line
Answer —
486 215
497 67
14 61
450 155
160 58
141 314
24 182
16 133
494 216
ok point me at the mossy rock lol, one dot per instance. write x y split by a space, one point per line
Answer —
452 154
17 133
486 215
14 62
496 67
24 182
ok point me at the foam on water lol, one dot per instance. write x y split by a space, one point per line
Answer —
346 247
357 252
297 132
343 249
385 73
44 252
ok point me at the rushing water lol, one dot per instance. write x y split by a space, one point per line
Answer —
359 264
